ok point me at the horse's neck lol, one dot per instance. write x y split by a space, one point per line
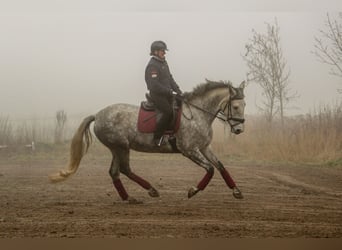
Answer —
212 102
215 99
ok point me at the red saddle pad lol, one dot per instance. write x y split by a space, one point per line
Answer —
147 121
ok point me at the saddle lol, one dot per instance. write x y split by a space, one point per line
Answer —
149 115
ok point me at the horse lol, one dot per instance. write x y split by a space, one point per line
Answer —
116 127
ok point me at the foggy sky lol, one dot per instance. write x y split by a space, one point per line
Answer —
81 56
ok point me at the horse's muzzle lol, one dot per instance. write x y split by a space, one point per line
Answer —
236 125
238 131
237 128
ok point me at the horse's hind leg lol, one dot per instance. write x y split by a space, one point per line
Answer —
114 172
123 155
224 173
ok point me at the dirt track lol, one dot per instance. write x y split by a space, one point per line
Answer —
279 201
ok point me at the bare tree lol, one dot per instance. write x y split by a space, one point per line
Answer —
61 118
268 68
328 46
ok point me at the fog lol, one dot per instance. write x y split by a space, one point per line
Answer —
81 56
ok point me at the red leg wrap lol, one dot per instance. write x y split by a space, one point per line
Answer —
227 178
120 188
204 182
140 181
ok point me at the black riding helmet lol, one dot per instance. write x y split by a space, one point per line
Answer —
158 45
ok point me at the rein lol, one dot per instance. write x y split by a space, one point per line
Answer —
203 110
219 114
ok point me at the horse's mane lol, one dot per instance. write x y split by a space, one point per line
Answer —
203 88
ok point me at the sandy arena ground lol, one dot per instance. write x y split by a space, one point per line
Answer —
291 201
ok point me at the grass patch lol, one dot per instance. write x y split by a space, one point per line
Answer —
313 139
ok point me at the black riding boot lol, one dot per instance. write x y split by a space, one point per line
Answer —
162 126
164 105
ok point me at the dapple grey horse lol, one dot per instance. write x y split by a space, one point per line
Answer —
116 127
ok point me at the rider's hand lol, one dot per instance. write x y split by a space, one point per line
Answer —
174 93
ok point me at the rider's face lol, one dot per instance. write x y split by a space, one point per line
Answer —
160 53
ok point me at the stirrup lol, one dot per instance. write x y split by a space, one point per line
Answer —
159 142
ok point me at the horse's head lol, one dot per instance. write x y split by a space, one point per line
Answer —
230 101
235 108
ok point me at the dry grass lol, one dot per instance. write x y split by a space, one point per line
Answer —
5 131
17 133
313 139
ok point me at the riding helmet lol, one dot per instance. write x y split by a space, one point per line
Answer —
158 45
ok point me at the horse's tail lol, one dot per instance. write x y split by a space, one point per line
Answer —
77 149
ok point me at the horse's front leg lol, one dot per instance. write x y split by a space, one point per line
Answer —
223 171
197 157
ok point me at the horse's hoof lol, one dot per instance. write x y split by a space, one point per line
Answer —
153 192
192 191
133 201
237 193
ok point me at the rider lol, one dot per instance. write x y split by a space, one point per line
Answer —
162 87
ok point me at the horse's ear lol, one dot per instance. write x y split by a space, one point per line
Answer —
243 85
232 91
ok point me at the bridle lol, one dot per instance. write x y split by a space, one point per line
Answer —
220 113
230 118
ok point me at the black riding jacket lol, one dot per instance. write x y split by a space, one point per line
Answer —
159 79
